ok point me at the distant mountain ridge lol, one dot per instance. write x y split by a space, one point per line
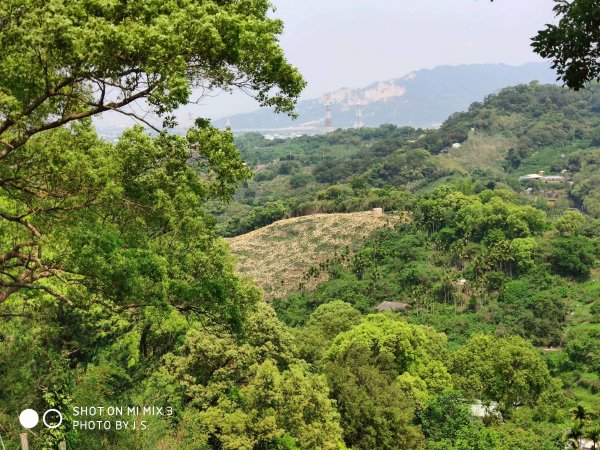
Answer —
423 98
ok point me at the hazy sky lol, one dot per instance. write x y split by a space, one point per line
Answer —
352 43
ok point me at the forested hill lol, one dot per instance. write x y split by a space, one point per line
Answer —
422 98
451 303
483 303
521 130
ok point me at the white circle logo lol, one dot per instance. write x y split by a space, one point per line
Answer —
29 418
60 418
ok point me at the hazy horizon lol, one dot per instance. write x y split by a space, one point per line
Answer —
351 43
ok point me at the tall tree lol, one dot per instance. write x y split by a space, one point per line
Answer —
508 371
378 371
63 62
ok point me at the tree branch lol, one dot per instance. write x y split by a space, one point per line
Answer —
18 142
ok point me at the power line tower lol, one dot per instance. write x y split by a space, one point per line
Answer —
328 119
358 119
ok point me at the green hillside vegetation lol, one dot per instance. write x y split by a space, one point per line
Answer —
506 270
497 292
493 275
521 130
117 288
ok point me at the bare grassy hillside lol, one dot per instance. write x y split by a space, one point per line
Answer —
481 151
278 255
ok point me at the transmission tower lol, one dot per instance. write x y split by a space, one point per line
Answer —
358 119
328 120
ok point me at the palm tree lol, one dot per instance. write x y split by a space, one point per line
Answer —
592 433
575 434
579 413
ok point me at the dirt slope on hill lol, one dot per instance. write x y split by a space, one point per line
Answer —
278 255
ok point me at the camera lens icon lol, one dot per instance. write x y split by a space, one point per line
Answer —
29 418
54 425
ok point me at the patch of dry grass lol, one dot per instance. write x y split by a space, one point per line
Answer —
278 255
481 151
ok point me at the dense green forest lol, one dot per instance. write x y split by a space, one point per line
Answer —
118 289
523 129
513 293
505 268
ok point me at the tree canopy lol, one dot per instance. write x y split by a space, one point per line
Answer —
67 61
573 44
105 248
70 203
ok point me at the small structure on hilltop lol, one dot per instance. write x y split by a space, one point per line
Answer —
462 285
457 145
542 177
377 211
461 282
531 176
392 306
